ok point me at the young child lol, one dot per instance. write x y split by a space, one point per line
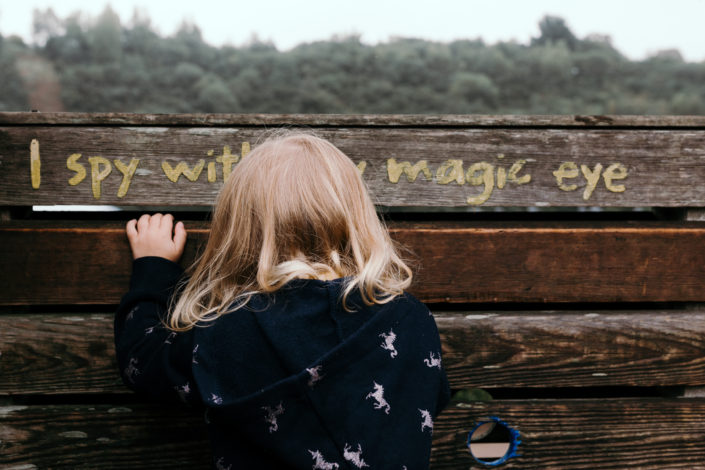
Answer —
293 330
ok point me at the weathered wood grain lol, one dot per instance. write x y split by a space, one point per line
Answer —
74 353
82 262
364 120
58 354
566 434
464 167
573 349
55 263
583 434
102 436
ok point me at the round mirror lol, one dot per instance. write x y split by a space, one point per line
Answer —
493 442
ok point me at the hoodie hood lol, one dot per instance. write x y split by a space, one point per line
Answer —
308 383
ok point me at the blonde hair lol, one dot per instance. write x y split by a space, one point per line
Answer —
295 207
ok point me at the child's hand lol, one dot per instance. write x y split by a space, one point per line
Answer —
151 236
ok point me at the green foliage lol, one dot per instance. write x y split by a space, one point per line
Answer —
212 95
12 93
554 30
106 65
105 38
473 90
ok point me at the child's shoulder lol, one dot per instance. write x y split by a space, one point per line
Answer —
411 299
410 304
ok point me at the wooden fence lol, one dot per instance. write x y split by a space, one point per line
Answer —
562 256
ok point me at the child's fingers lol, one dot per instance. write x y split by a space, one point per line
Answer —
156 221
167 223
131 229
152 236
143 223
180 236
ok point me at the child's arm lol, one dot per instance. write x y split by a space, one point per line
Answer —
152 359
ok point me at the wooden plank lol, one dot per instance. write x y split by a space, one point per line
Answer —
361 120
452 167
58 354
566 434
74 353
583 434
52 263
102 436
573 349
694 214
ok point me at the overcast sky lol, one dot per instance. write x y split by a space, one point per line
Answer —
637 27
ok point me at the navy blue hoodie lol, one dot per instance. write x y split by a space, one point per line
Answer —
292 380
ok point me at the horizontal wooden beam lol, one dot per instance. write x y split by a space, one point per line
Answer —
135 436
74 353
573 349
90 263
582 434
566 434
340 120
426 166
58 354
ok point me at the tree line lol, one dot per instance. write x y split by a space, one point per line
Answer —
103 65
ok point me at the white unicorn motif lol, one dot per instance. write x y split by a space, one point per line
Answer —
183 391
320 463
193 355
148 330
433 361
131 314
427 421
170 337
389 343
354 457
315 373
272 414
216 399
131 370
220 465
378 395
